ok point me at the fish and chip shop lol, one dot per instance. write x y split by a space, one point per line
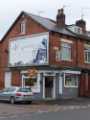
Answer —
48 55
29 57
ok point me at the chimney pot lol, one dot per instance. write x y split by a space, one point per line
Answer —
82 24
60 18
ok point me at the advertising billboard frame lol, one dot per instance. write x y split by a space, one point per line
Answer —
20 38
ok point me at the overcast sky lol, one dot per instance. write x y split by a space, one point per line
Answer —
10 9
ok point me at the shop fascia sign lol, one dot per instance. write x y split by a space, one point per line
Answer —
32 72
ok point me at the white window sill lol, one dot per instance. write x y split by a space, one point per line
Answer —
87 62
69 60
70 86
22 33
66 60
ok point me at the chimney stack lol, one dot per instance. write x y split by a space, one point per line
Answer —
82 24
60 18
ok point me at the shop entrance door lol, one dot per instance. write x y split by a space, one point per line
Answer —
48 87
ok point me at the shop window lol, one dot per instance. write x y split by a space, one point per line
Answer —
30 81
71 80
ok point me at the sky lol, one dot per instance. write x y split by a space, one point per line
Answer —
10 9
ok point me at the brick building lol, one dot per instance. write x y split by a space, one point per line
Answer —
58 56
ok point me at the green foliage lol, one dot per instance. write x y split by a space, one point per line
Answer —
30 81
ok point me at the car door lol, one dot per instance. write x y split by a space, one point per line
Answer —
3 94
8 93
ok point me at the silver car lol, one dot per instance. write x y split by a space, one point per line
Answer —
16 94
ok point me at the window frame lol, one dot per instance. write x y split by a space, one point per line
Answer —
86 54
71 86
26 76
59 54
23 27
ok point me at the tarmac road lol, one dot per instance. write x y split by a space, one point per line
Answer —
80 114
76 114
71 110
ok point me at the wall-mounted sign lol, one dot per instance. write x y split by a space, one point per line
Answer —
30 50
32 72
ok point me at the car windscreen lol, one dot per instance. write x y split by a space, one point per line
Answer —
24 90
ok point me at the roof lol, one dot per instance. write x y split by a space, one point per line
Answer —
52 26
49 25
82 35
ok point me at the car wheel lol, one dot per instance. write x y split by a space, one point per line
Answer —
29 102
12 100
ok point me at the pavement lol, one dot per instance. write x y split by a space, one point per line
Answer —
64 102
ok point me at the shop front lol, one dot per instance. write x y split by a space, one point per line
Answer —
43 83
53 84
47 84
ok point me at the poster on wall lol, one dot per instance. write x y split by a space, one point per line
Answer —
29 50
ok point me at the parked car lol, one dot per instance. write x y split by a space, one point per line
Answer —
16 94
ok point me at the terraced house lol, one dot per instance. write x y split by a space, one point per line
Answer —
50 56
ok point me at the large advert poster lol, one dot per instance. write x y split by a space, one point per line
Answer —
30 50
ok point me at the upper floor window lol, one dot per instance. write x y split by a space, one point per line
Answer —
87 53
65 52
23 27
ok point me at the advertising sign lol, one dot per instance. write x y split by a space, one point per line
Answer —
30 50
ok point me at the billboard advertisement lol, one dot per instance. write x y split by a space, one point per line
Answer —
29 50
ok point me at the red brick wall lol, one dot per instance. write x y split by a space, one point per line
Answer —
80 52
55 40
84 85
32 28
1 78
16 78
89 85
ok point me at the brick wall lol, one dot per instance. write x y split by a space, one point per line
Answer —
32 28
16 78
55 41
